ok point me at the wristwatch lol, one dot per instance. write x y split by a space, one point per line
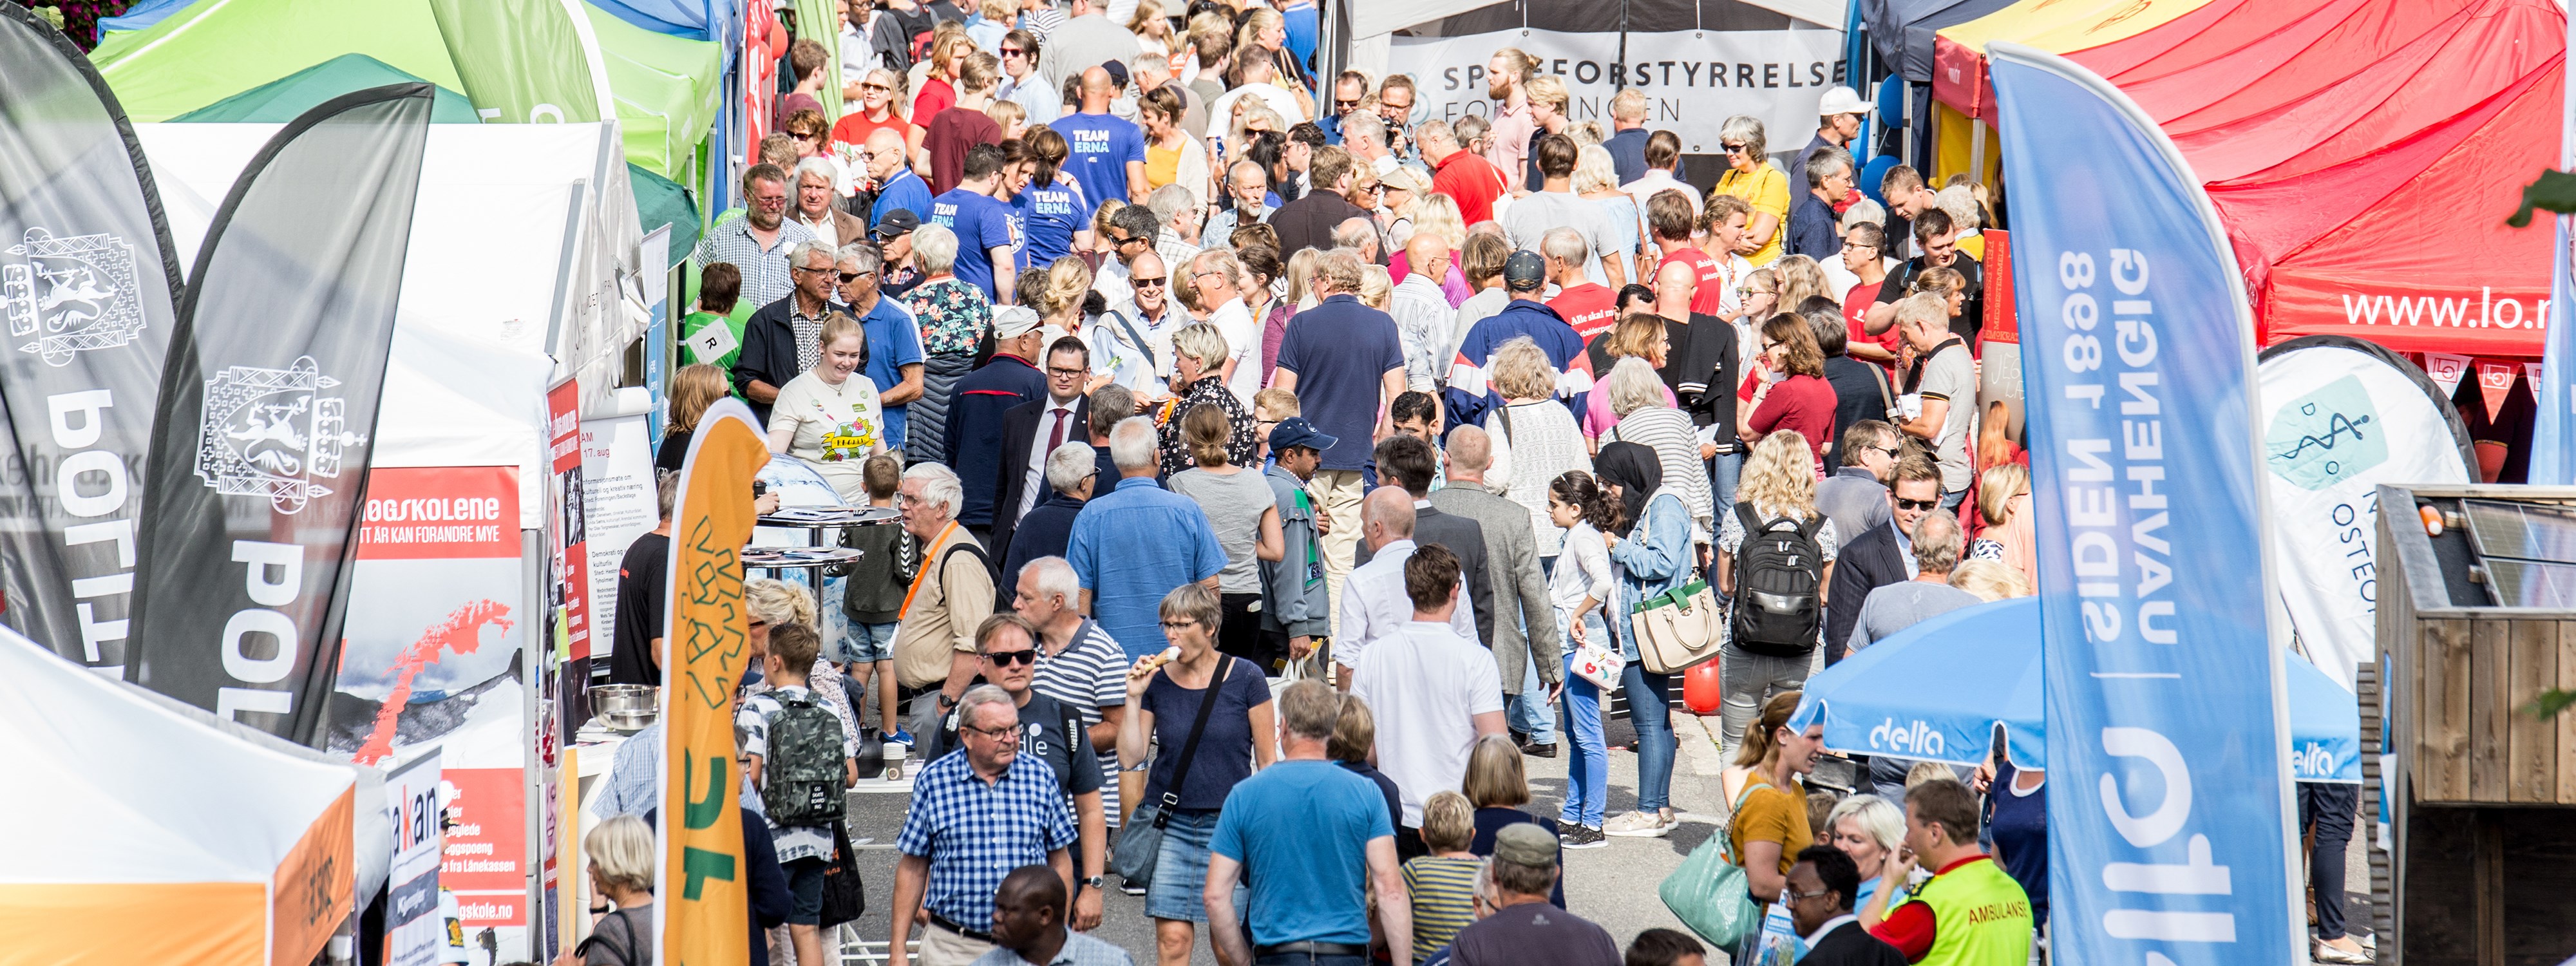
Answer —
1098 883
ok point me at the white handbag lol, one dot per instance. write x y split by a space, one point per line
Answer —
1599 664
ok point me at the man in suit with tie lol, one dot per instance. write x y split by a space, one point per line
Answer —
1882 555
1035 428
1408 462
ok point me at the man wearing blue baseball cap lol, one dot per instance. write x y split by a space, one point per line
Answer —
1295 602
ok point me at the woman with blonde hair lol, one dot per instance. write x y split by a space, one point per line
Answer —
693 389
828 417
772 604
1640 335
2003 499
1596 180
1059 307
1377 288
621 857
1990 580
1647 417
1245 515
1750 175
1264 34
1778 488
934 80
1871 830
1497 784
1153 30
1800 278
1010 116
1199 352
1535 439
1296 289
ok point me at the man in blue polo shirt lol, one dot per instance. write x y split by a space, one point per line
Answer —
988 236
1346 362
898 186
1132 545
894 339
1108 154
1314 836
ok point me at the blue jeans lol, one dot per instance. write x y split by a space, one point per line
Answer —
1587 767
1725 468
1655 744
1529 710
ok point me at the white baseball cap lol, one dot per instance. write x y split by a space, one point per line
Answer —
1841 100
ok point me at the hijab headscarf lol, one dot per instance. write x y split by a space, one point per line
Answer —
1635 470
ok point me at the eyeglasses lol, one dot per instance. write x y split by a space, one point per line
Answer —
1008 658
1905 504
1793 895
1733 148
1343 105
1155 282
1195 276
848 277
1066 373
1124 242
874 87
1011 733
1170 626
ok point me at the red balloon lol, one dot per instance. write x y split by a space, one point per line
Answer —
1700 690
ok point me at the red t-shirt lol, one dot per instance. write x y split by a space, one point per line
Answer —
1472 182
853 128
1590 309
1911 927
1708 296
1802 403
1856 306
936 95
951 132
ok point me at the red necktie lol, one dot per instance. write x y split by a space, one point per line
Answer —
1055 437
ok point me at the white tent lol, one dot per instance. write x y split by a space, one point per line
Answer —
234 852
518 245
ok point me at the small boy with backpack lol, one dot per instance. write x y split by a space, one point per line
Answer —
800 759
872 599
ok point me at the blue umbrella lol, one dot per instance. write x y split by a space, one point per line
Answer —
1937 690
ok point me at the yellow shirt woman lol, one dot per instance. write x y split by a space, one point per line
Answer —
1766 188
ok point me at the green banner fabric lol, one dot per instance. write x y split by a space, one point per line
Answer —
280 101
820 20
523 61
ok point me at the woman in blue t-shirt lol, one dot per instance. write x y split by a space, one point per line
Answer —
1055 215
1869 829
1163 700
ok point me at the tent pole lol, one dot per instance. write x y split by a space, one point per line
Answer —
1906 87
1976 150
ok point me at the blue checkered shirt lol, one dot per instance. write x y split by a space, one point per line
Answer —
1079 950
975 833
765 277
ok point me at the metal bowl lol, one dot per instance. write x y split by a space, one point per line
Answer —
626 707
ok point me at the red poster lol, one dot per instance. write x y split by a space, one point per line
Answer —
572 571
487 851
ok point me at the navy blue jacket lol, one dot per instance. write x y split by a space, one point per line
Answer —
1042 533
974 431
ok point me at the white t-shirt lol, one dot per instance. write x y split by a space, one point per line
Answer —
1243 345
1221 114
1426 683
832 428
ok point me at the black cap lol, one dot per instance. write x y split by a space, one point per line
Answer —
1296 431
1117 71
1525 271
896 224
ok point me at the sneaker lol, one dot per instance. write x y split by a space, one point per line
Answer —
1131 888
1540 751
1581 837
1638 825
901 737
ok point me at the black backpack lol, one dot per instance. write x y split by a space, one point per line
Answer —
1779 571
803 778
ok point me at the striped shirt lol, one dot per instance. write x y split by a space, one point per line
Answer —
1041 22
1443 892
765 277
1090 674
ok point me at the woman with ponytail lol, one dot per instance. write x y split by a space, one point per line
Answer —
1579 586
1768 827
1055 215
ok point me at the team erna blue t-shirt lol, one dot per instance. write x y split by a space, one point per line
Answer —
1101 145
1049 216
981 224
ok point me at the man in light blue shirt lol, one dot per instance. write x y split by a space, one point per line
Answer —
1137 543
1313 836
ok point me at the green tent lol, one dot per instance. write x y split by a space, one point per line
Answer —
658 201
287 97
667 88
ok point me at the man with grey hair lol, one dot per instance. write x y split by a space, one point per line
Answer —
1176 214
1938 543
1219 278
817 186
1132 545
1526 646
954 591
784 339
1078 662
894 339
1364 136
1310 838
1812 221
1247 190
1359 234
974 818
1150 71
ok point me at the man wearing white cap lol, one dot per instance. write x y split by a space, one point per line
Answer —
975 409
1841 111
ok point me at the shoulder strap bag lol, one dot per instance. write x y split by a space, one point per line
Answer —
1141 843
1710 892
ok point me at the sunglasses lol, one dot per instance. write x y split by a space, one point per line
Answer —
1170 626
1155 282
1013 52
1343 105
1124 242
874 87
1008 658
848 277
1905 504
801 135
1733 148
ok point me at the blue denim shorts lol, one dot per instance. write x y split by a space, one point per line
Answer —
1180 872
866 643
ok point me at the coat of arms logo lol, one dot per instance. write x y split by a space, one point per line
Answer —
270 432
69 295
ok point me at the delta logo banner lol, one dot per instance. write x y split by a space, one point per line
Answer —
706 647
2169 833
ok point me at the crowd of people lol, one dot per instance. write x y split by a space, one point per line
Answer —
1267 456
